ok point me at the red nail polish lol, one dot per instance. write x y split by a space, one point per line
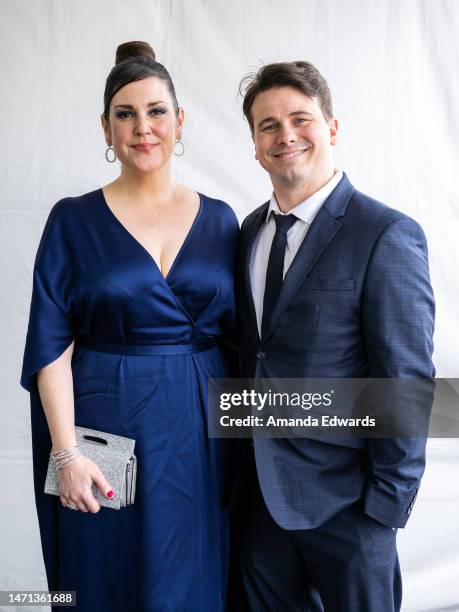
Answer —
110 494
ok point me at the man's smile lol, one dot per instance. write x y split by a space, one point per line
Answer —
290 153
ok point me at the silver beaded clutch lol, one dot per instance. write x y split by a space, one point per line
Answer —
114 456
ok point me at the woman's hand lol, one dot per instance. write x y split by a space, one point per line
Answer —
75 481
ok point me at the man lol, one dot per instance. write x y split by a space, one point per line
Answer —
331 284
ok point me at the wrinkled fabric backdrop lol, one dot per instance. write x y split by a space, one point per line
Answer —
393 68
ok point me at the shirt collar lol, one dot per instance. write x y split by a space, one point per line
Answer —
307 210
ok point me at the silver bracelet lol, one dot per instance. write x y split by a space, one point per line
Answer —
66 456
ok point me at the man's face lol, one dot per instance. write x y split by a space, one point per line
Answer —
293 140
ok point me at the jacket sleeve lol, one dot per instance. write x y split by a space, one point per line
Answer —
398 324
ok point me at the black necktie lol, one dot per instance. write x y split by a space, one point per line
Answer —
275 271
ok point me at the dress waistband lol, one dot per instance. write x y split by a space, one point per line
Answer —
198 346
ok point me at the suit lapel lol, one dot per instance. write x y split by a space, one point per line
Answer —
322 230
249 235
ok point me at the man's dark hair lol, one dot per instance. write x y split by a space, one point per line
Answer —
301 75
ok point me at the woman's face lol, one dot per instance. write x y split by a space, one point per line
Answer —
143 126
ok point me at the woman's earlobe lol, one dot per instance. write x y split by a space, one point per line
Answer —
106 129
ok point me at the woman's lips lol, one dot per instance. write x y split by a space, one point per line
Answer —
144 147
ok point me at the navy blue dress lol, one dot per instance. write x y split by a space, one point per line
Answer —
145 348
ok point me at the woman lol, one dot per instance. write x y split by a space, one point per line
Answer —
133 285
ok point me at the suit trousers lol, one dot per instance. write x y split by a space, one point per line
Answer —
348 564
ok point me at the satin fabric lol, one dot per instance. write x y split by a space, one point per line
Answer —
94 281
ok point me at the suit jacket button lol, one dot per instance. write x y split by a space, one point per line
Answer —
261 355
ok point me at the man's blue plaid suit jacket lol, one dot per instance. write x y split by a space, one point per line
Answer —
356 302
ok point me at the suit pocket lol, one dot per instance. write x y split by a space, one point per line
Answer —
325 284
370 532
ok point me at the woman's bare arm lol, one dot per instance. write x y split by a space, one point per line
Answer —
55 385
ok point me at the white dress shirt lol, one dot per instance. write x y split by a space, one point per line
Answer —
305 212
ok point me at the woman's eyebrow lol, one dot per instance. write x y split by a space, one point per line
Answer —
132 108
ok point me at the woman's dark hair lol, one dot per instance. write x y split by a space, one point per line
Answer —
135 61
301 75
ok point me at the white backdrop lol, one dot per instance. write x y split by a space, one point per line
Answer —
393 66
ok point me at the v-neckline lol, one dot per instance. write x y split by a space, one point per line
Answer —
144 249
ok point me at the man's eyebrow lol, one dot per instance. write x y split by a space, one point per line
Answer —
130 107
292 114
266 120
301 112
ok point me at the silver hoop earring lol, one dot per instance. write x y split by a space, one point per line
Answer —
107 153
181 150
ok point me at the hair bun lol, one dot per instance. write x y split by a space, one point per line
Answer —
135 48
